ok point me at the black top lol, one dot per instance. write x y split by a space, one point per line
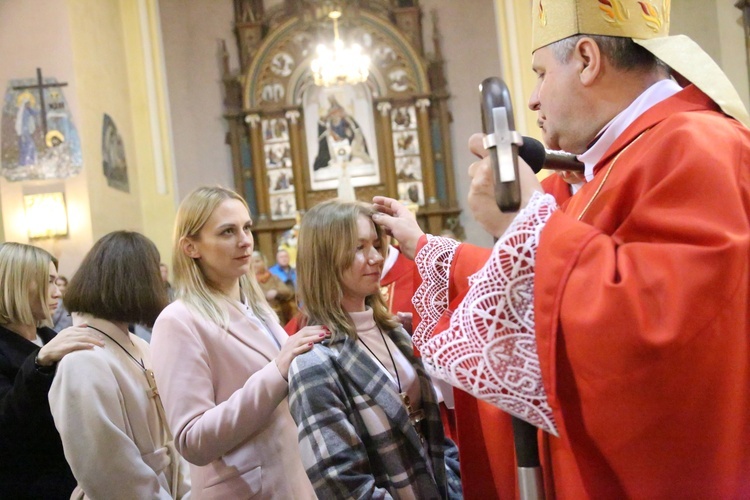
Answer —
32 464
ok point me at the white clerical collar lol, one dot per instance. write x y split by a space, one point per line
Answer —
390 259
661 90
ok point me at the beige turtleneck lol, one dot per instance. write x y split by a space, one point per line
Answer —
370 335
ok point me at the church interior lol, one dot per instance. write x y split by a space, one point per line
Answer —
115 110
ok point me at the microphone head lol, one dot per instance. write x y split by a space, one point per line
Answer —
533 153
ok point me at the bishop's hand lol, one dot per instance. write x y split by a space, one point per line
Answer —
482 201
399 222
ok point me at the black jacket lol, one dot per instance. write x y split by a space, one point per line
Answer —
32 464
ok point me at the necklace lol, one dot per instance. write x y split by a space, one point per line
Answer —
153 393
140 363
152 390
415 416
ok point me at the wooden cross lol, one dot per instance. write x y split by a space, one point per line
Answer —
40 86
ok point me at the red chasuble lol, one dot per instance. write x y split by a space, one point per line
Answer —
557 187
484 432
642 314
398 286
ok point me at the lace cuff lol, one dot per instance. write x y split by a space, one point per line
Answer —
490 348
431 297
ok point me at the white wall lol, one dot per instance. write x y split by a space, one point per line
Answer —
192 30
37 34
469 43
717 27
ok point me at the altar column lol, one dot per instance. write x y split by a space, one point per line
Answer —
389 170
295 138
259 160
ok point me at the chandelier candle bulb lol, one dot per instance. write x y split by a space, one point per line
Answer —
340 65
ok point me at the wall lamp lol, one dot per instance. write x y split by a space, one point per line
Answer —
46 215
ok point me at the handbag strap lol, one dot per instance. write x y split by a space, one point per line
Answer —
169 439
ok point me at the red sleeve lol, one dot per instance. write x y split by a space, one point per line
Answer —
468 260
294 325
557 187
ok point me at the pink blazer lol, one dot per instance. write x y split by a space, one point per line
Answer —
226 404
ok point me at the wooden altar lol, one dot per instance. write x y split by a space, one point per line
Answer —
286 134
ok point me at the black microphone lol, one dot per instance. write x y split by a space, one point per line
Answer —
538 157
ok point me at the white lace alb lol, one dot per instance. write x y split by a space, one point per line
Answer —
490 349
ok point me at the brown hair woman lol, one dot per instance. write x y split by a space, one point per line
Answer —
367 415
104 402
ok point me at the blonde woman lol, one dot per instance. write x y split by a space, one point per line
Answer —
32 464
221 359
367 415
104 402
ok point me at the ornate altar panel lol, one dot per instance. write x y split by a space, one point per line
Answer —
293 141
277 152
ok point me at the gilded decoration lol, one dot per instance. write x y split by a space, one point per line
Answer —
295 144
614 11
280 73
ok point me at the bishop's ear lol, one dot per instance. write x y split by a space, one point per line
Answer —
589 55
188 247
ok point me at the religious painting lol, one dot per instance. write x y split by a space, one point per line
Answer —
278 155
340 130
279 174
280 181
411 192
408 169
406 143
113 156
39 138
275 130
407 158
283 206
404 118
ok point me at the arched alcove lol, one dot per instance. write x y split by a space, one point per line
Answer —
292 141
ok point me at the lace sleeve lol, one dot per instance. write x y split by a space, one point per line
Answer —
431 297
490 348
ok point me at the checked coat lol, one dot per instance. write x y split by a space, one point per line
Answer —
356 440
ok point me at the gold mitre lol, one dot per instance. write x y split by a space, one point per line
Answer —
647 23
557 19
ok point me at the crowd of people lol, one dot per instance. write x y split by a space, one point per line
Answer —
613 314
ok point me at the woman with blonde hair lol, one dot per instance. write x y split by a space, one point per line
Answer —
104 402
32 463
367 415
221 359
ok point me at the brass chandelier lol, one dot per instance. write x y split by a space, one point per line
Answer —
339 65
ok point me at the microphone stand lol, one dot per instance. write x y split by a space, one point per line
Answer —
502 141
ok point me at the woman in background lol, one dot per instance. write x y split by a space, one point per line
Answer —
367 415
221 359
32 464
104 401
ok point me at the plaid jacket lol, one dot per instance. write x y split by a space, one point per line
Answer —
355 437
